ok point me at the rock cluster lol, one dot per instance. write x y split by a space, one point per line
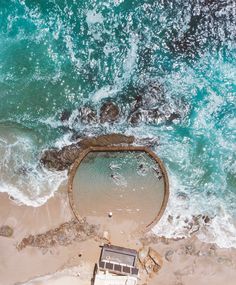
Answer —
203 27
150 260
150 104
65 234
6 231
109 112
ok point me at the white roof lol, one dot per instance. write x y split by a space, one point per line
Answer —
108 279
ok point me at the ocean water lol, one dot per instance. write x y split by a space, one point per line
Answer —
61 55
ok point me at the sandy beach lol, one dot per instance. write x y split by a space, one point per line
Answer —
72 260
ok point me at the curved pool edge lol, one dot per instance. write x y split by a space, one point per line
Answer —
120 148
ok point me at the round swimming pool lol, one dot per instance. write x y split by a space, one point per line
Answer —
119 183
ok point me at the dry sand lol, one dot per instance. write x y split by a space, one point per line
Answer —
186 262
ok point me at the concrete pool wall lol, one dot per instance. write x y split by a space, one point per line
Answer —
119 149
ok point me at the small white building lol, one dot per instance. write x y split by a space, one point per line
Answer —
117 266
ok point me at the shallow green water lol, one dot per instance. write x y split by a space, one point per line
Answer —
128 184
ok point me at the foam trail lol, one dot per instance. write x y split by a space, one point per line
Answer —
21 176
128 68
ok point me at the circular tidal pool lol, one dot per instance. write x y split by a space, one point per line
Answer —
120 184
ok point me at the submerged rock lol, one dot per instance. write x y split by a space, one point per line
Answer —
149 142
61 159
87 115
209 22
135 118
6 231
109 112
153 106
65 115
150 96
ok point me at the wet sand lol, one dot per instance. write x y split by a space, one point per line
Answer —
187 261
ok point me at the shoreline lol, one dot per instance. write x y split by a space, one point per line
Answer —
186 261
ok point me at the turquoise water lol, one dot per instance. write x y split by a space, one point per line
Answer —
61 55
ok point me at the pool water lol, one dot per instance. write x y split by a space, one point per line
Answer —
129 184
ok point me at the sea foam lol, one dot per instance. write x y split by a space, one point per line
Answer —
21 175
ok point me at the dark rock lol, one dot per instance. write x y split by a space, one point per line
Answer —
152 105
152 95
155 116
170 219
65 115
6 231
24 170
109 112
60 159
174 116
182 196
87 115
206 219
209 22
135 118
139 102
149 142
190 249
225 260
63 158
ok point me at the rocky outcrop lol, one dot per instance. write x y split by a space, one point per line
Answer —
65 115
61 159
150 260
87 115
6 231
153 106
135 118
109 112
64 235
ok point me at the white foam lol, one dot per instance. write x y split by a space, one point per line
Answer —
71 51
183 207
21 176
128 67
40 188
72 275
92 17
104 92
